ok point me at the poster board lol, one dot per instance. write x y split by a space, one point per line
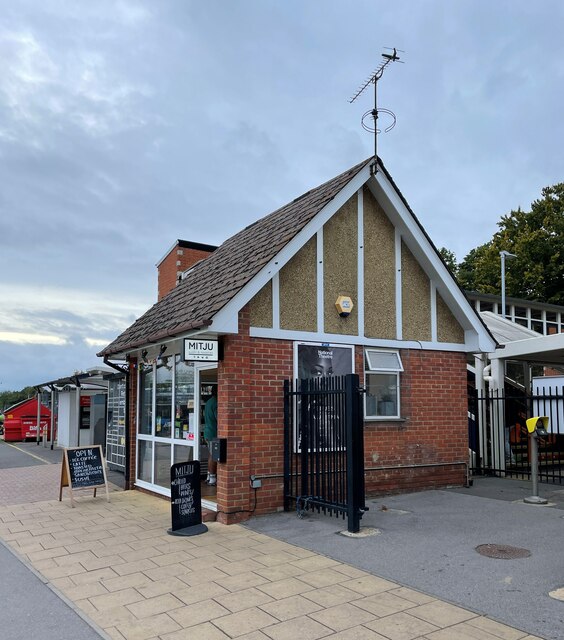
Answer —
83 468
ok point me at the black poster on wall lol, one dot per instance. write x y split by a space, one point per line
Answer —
316 360
186 499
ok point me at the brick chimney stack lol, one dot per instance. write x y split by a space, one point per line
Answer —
181 256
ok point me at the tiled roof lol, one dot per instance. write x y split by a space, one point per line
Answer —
214 281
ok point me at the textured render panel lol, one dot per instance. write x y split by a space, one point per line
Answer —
416 298
448 329
379 271
260 307
298 290
340 267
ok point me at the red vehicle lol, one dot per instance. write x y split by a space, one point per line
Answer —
20 421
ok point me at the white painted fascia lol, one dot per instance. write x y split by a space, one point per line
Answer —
226 320
334 338
425 254
533 347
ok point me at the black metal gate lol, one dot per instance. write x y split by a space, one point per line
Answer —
499 441
324 447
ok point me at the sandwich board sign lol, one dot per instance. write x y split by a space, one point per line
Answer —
186 499
83 468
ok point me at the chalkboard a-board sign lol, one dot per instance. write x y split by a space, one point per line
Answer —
83 468
186 499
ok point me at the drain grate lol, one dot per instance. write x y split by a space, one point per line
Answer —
502 551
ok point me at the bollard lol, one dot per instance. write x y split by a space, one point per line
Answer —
536 426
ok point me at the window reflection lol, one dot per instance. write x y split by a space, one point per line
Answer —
144 460
184 401
162 464
146 408
163 406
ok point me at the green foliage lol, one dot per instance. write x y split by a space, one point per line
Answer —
9 398
450 259
537 238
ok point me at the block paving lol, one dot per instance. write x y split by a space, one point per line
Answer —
117 565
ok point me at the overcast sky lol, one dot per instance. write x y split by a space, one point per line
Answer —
125 125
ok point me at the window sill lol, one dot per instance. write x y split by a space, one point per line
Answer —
377 419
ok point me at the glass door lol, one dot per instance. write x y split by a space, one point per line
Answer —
205 380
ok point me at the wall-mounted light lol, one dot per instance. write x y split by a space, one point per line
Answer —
162 349
144 354
344 306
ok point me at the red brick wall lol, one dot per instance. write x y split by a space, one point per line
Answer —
250 416
168 269
434 403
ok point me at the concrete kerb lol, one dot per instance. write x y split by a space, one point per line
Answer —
69 603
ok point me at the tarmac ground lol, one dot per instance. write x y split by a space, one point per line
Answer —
428 540
120 576
30 609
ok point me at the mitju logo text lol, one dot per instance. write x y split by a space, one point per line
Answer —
200 350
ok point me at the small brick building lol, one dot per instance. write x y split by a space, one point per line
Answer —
268 296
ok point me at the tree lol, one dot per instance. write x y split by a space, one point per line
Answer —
10 398
536 237
449 259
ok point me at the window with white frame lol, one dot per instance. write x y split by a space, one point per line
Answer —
382 378
166 425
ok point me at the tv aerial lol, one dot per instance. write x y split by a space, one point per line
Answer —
369 119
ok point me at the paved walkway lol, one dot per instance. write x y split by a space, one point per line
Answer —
118 566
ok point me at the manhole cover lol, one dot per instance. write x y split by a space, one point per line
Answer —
557 594
502 551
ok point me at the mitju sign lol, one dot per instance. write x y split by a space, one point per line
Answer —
201 350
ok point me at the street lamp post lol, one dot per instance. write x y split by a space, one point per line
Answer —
504 255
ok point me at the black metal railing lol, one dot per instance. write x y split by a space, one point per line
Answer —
324 447
499 440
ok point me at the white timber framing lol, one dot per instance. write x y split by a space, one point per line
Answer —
399 296
360 262
433 294
408 231
320 290
276 301
226 320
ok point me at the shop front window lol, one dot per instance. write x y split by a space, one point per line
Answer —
166 433
183 453
162 464
145 460
146 407
184 401
163 404
382 371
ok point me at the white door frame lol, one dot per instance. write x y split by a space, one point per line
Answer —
202 366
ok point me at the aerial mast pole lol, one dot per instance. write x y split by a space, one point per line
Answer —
372 127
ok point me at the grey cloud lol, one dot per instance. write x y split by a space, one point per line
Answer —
126 125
